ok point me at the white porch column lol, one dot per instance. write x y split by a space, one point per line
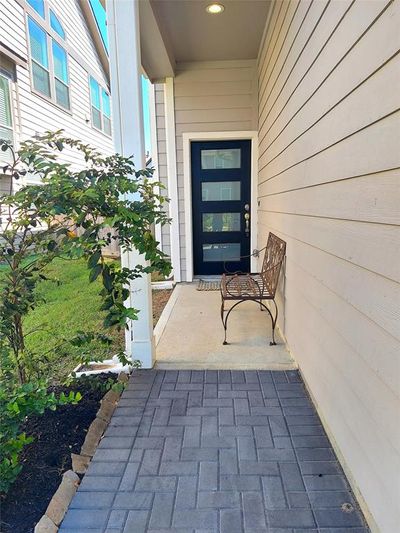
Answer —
126 96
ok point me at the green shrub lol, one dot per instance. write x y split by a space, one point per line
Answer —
16 405
72 213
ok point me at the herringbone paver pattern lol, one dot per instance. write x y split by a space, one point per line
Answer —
214 451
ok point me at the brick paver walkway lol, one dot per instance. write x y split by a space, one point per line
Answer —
208 451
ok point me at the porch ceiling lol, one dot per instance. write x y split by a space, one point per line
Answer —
195 35
173 31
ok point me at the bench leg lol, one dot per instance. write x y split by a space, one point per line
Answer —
225 321
222 317
273 320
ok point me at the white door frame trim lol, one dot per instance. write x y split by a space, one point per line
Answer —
187 176
170 138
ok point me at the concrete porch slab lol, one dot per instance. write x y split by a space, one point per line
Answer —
193 334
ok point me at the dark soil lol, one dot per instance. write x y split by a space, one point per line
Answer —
57 434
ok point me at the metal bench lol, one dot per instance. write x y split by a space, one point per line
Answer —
239 287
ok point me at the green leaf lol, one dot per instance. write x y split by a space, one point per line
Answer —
94 259
95 272
107 279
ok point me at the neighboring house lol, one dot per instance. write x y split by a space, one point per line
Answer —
54 74
287 111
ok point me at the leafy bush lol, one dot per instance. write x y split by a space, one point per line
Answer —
72 213
16 405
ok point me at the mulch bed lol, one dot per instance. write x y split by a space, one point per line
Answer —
57 434
160 299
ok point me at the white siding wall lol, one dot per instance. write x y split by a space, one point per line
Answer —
36 113
329 184
211 96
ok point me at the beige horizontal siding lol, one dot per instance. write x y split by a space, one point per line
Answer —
209 97
329 184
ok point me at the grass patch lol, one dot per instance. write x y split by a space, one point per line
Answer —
65 307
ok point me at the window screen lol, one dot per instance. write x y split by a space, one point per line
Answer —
60 75
40 60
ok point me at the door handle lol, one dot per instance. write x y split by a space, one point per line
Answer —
247 219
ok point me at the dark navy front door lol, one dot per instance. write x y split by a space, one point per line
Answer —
221 206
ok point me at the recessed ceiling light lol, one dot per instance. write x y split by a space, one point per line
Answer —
214 9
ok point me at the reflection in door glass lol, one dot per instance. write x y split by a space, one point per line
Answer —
217 191
221 222
221 252
212 159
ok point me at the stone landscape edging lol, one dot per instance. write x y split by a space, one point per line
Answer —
59 503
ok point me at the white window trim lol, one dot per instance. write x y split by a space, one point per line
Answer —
8 76
187 176
63 39
101 88
49 37
71 50
9 73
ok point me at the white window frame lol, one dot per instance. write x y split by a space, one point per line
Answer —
102 114
8 76
44 25
49 11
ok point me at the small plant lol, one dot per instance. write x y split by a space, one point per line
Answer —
96 383
16 404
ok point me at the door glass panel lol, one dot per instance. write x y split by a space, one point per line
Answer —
221 222
212 159
221 252
217 191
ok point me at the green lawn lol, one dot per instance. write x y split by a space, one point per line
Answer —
71 305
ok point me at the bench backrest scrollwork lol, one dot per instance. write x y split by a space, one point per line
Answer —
272 263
